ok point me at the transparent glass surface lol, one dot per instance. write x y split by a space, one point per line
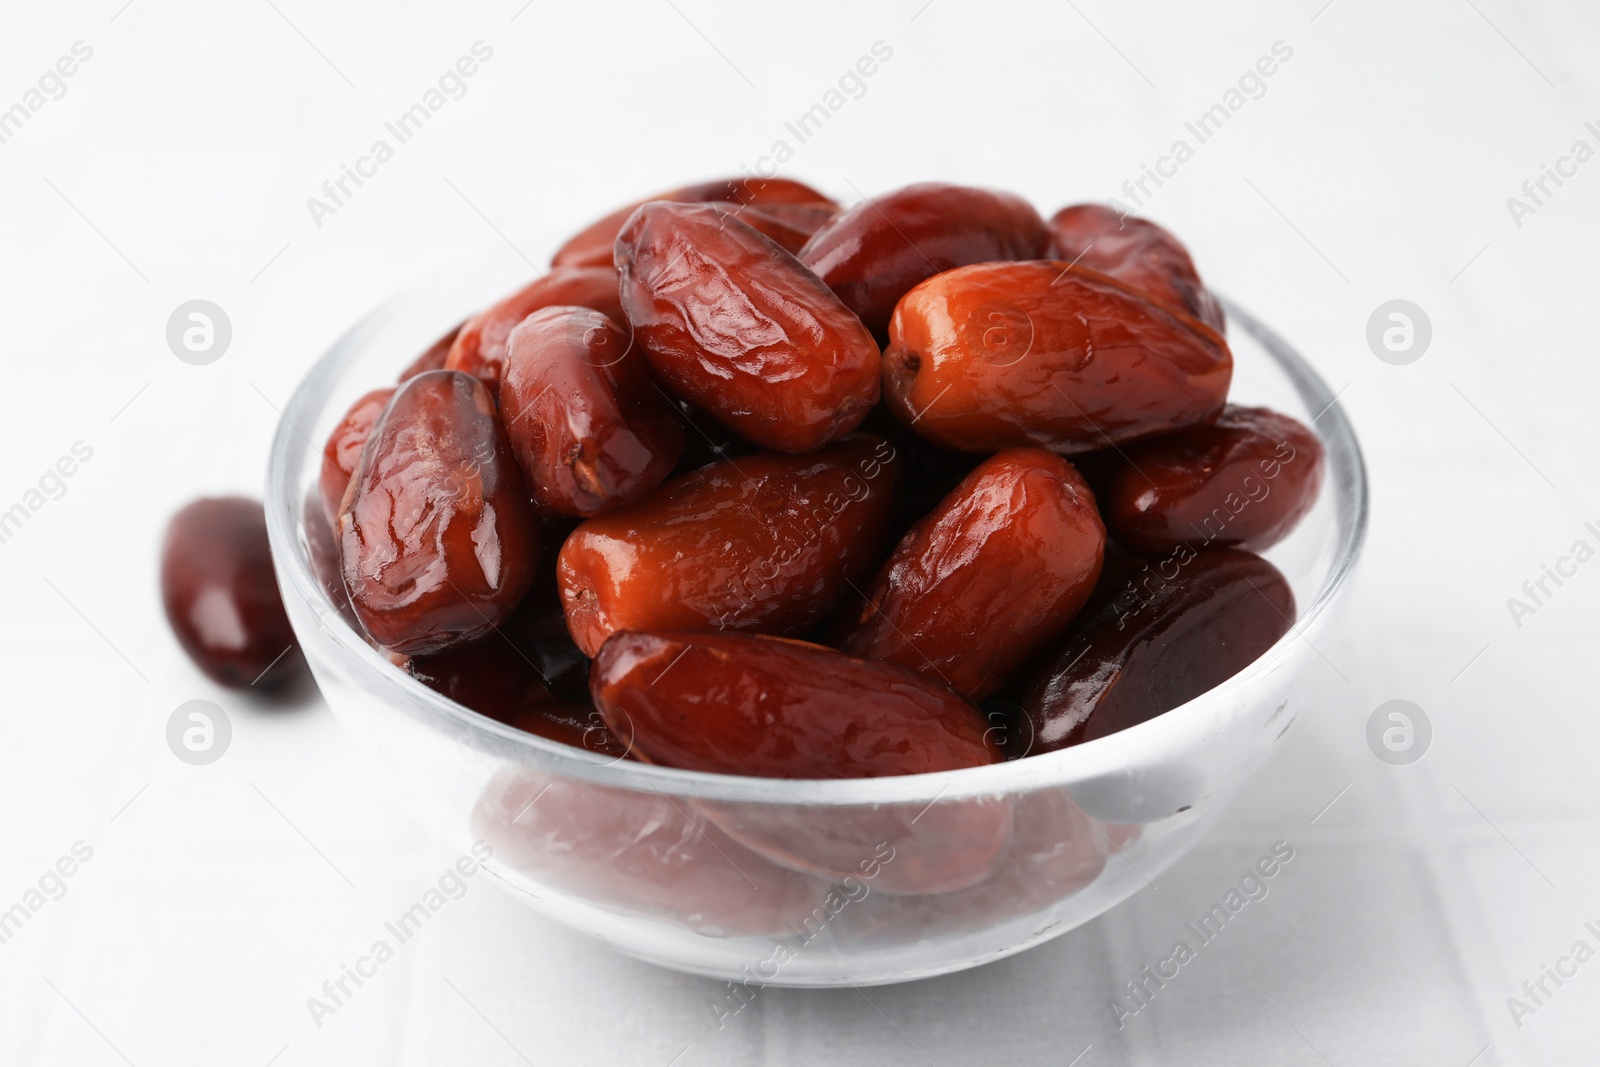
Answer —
804 883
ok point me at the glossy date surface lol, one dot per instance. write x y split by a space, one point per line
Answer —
762 543
436 536
775 708
872 254
1172 632
999 355
480 347
221 596
589 428
736 325
997 570
1243 481
343 450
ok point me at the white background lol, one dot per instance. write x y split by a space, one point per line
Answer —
1376 166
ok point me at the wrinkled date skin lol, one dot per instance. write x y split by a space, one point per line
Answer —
992 575
777 708
641 853
1244 481
875 252
592 247
480 347
736 325
764 543
1169 635
586 421
434 357
436 536
343 450
220 595
999 355
1135 251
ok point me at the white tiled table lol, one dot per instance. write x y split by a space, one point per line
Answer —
1376 164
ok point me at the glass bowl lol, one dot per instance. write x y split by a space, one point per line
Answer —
785 882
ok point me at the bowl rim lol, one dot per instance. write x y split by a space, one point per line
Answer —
1345 477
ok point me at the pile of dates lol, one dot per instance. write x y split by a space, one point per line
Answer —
755 484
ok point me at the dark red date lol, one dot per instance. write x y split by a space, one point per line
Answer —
1243 481
993 574
766 543
586 421
480 347
343 450
1135 251
1170 634
592 247
436 536
999 355
736 325
777 708
875 252
221 595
